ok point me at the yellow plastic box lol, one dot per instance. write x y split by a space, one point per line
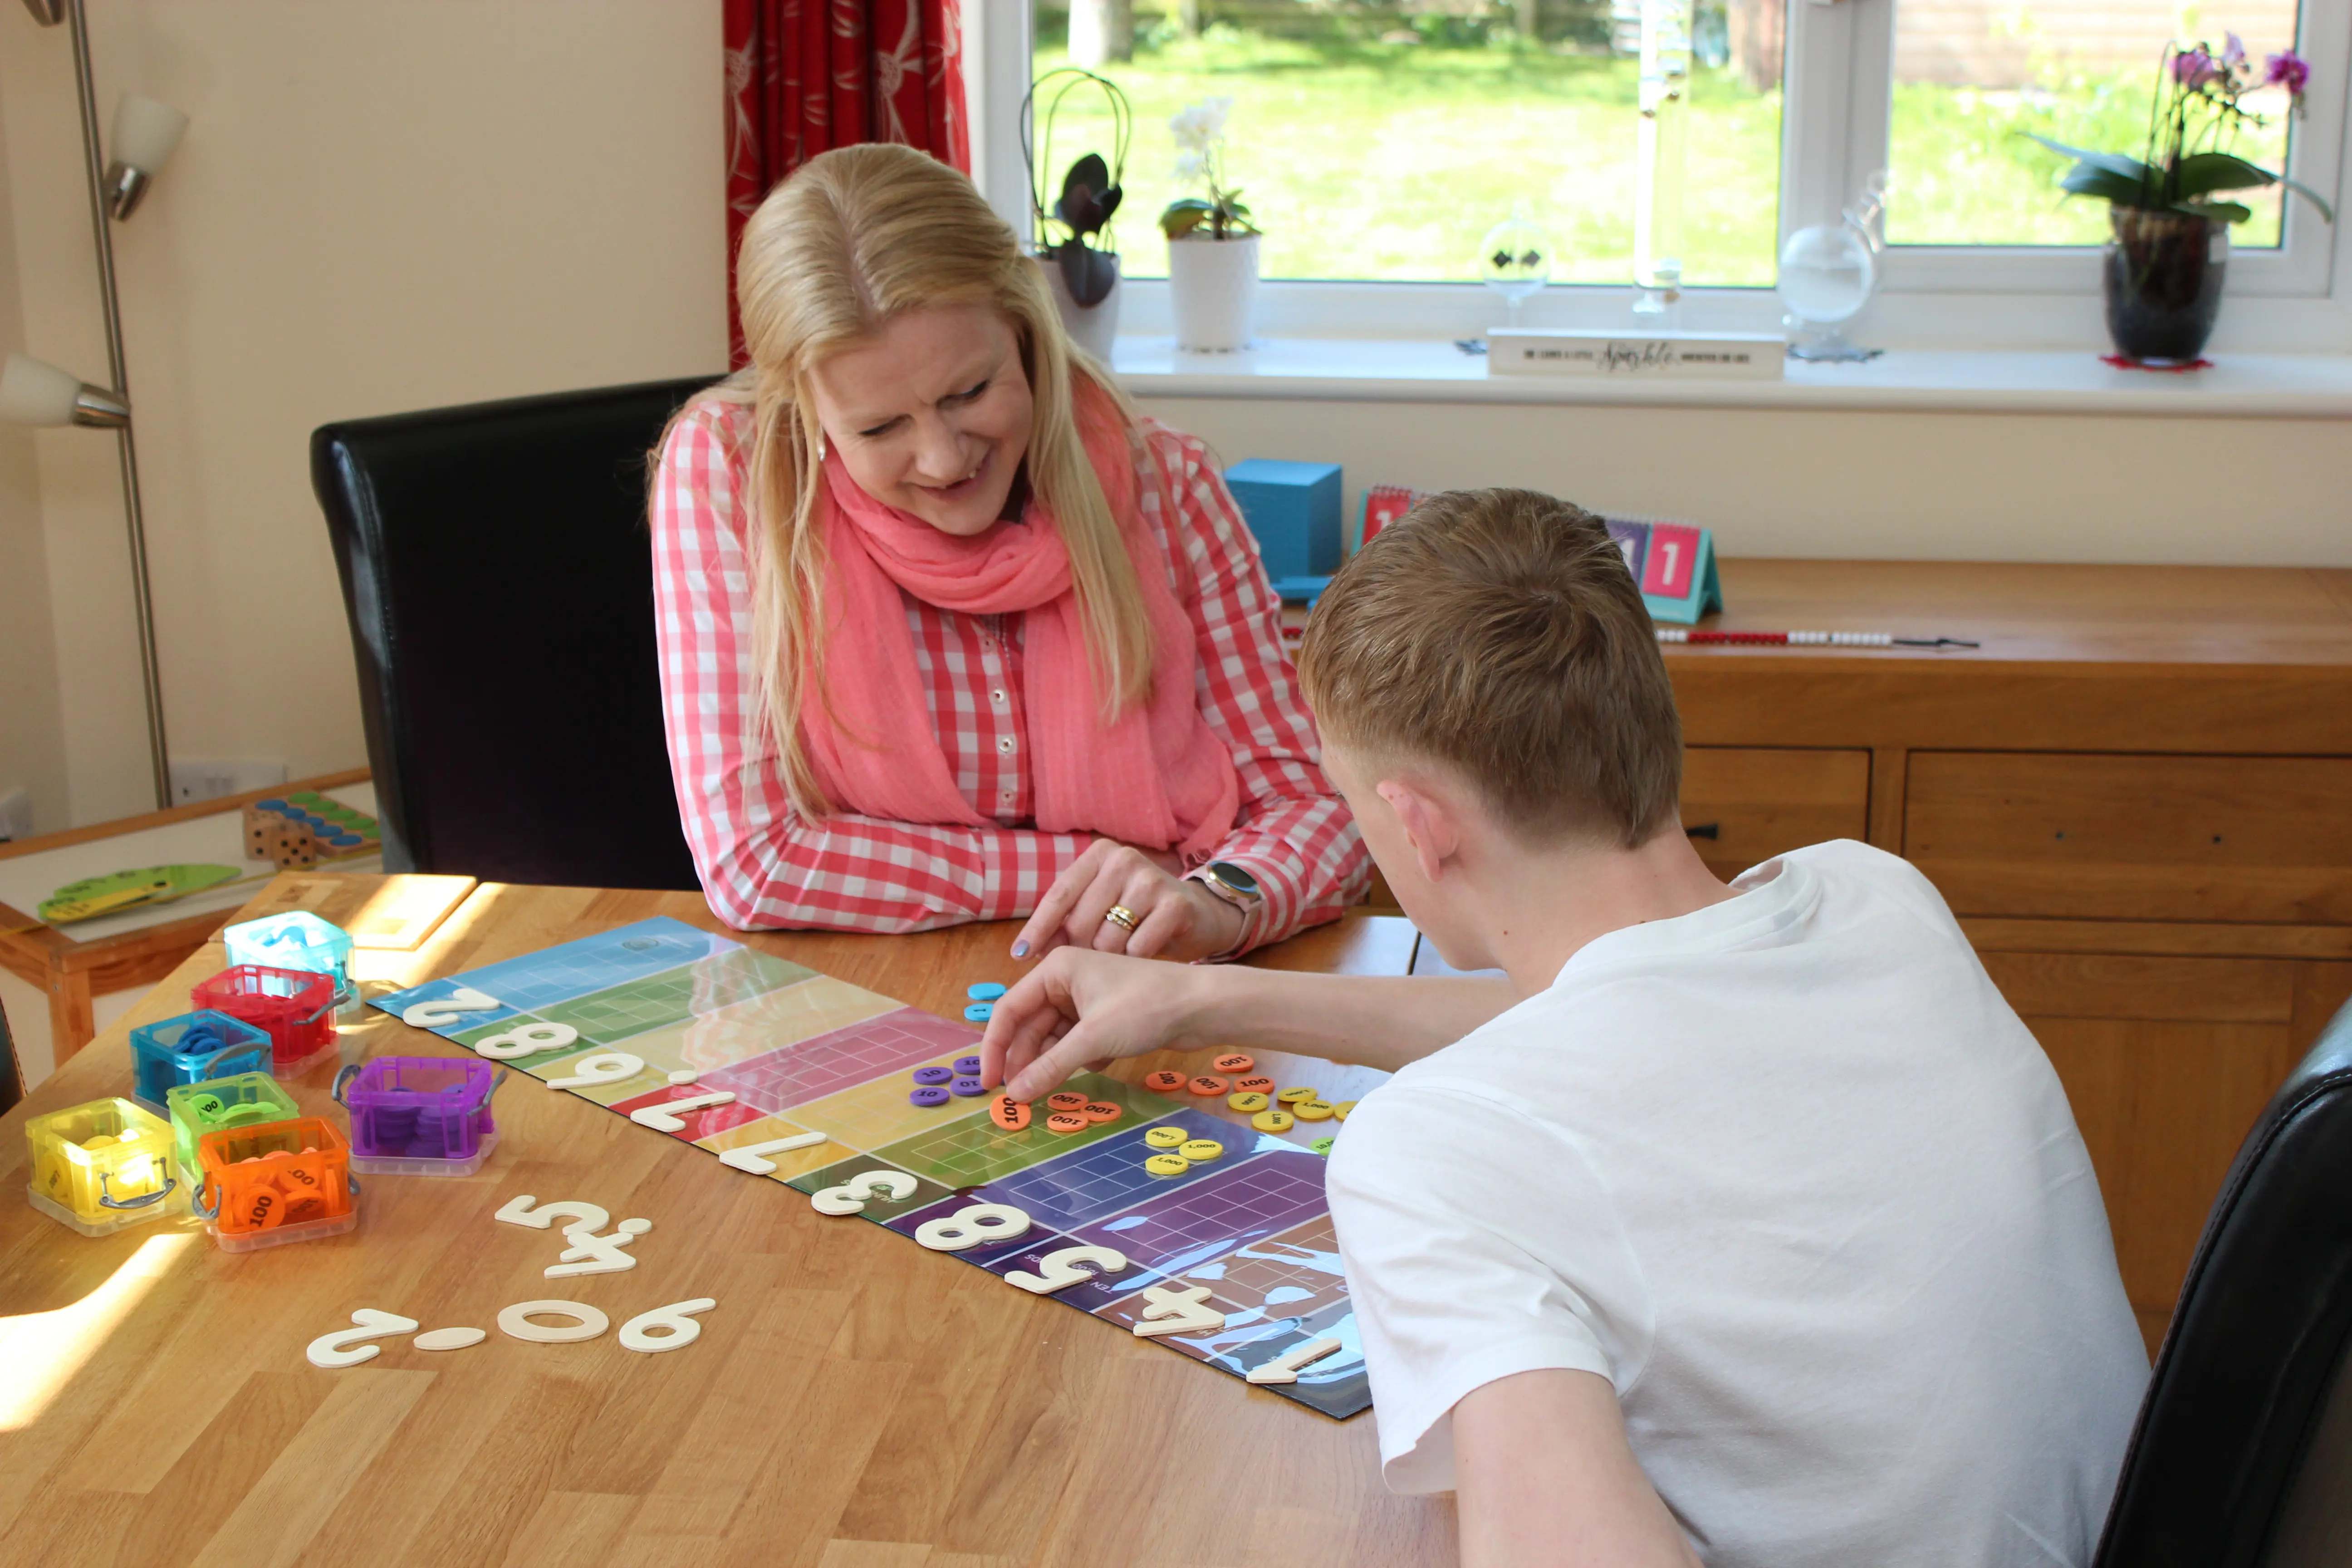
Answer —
102 1166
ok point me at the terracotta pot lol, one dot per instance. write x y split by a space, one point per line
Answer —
2163 276
1212 284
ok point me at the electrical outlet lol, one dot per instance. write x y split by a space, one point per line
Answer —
195 781
15 814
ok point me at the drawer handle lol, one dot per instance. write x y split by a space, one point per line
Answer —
1704 830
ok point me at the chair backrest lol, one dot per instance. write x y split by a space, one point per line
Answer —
499 580
2239 1460
12 1072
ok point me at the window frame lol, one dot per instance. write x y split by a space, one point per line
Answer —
1836 123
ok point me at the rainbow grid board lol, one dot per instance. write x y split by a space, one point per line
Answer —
804 1052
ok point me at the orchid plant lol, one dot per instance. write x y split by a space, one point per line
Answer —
1200 131
2193 120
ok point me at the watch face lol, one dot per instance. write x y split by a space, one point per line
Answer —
1234 877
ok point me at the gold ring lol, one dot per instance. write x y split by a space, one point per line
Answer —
1122 917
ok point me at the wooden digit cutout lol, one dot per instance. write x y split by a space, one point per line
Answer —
525 1040
1059 1270
443 1010
664 1118
515 1322
975 1225
583 1216
1285 1367
850 1197
342 1348
600 1067
676 1321
747 1158
1184 1311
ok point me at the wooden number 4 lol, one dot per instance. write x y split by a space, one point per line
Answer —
1183 1311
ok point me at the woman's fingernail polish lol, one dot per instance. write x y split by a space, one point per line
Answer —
1019 950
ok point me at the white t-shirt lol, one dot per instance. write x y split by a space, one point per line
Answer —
1790 1172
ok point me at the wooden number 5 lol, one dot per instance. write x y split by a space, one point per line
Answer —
582 1215
1060 1270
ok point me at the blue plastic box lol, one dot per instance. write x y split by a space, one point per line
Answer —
298 940
1294 510
191 1049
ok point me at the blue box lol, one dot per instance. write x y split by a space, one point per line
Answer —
1294 510
191 1049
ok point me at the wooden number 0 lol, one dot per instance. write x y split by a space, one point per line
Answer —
974 1225
1060 1270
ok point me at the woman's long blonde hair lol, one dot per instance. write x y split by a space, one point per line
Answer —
853 239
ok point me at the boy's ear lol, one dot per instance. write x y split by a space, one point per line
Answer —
1428 822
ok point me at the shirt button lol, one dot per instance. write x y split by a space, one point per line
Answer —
1004 744
1005 795
997 697
987 645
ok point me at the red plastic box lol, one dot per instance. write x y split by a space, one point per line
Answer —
295 1008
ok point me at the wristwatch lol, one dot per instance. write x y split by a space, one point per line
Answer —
1236 887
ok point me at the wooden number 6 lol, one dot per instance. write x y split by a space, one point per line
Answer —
603 1066
676 1321
975 1225
1060 1270
896 1186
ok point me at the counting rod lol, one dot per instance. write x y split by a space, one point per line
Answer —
1808 640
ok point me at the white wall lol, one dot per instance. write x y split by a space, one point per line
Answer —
377 207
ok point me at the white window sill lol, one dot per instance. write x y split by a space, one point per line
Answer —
1366 369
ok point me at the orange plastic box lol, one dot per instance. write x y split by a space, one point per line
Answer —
295 1007
277 1184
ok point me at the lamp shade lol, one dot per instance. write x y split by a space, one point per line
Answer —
35 392
145 132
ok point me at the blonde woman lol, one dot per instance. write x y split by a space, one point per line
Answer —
948 631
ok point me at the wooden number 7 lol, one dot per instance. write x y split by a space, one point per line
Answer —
1060 1270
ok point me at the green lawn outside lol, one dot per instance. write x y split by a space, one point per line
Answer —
1392 161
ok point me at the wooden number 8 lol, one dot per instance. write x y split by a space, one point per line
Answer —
1060 1270
895 1186
974 1226
525 1040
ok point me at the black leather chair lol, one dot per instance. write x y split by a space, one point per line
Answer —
12 1072
2242 1456
499 584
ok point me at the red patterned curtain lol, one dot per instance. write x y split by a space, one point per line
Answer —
807 76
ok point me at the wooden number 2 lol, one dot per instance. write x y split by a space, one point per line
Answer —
1060 1270
973 1225
895 1186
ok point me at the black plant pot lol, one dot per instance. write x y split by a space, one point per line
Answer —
2164 283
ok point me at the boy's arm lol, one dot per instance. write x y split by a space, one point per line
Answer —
1543 1474
1078 1007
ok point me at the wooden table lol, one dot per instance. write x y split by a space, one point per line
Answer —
74 973
854 1402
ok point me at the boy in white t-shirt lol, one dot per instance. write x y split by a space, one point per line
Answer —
1744 1224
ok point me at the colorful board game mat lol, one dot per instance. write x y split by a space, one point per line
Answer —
805 1052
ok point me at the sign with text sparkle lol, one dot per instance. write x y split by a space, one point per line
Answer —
1679 356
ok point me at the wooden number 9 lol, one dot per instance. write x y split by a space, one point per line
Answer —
973 1227
525 1040
676 1321
1060 1270
895 1186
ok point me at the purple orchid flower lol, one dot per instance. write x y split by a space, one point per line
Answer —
2286 68
2193 68
2233 51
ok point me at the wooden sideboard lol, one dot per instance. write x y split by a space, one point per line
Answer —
2137 794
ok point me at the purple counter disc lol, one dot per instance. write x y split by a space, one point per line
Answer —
932 1075
968 1086
929 1094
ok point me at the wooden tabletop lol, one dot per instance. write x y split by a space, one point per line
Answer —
854 1402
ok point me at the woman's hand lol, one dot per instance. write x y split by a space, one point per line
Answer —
1173 917
1081 1009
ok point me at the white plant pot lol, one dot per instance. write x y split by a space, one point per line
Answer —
1093 328
1212 284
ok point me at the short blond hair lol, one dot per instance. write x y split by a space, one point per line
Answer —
1500 632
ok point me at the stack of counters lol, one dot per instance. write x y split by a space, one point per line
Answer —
1236 1062
928 1091
966 1081
1163 1083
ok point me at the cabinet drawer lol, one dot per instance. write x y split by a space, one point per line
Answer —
2135 837
1743 805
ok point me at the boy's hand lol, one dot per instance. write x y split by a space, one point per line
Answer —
1079 1009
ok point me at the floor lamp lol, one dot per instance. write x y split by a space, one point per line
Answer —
32 392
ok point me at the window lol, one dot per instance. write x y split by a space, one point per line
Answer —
1376 141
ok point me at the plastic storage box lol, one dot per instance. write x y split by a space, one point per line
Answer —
298 940
281 1182
191 1049
295 1007
420 1116
102 1166
248 1100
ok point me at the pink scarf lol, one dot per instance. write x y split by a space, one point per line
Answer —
1157 777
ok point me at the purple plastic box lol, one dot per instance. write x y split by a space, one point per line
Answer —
421 1116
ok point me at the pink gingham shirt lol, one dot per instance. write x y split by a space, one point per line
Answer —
763 866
